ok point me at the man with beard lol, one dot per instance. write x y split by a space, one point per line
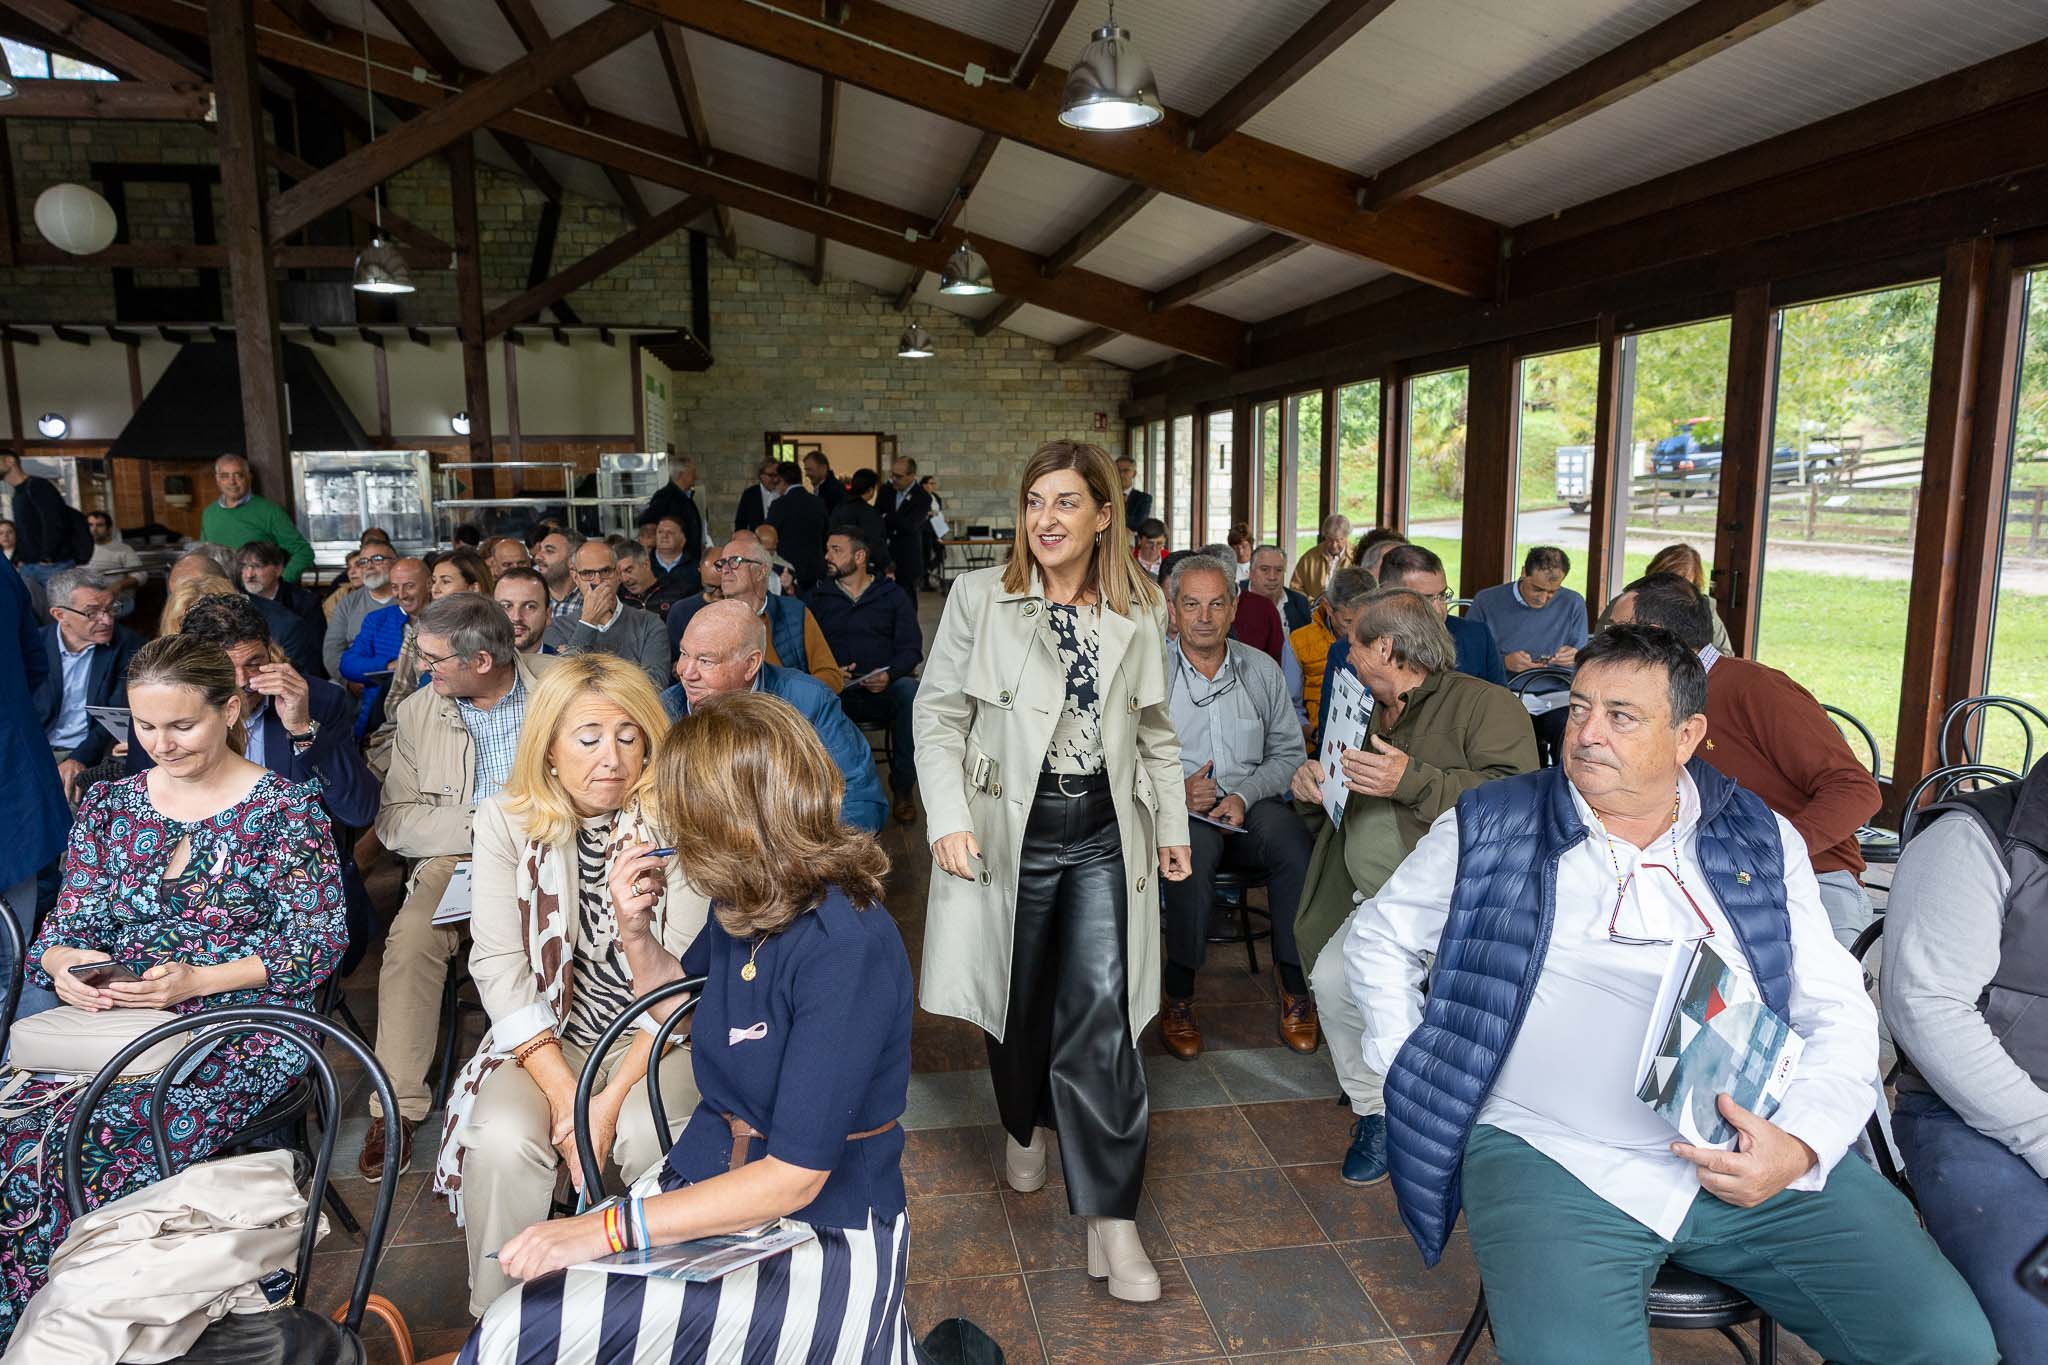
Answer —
375 562
553 555
870 624
523 596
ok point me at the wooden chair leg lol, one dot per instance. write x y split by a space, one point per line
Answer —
378 1306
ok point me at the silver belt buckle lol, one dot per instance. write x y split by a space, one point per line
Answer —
1061 779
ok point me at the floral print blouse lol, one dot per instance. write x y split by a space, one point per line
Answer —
1076 747
262 880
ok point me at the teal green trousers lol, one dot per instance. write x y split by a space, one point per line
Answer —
1846 1267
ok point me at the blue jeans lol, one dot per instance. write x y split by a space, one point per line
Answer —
1985 1208
42 573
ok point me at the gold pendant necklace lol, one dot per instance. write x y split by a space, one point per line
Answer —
747 971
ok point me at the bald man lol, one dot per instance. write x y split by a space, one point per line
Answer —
602 622
724 650
794 637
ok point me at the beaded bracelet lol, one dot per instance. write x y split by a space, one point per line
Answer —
527 1050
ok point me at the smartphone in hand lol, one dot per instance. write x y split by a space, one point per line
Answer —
100 973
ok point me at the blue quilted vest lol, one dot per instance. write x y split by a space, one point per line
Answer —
1511 834
786 629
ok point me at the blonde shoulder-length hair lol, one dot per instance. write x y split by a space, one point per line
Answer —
533 795
748 795
1118 579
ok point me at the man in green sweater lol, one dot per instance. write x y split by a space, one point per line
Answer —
242 515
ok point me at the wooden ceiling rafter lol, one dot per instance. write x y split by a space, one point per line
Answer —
148 101
1334 25
682 81
1129 202
1075 348
828 136
532 32
528 305
109 46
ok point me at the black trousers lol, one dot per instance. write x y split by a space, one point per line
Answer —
1274 842
1067 1060
1550 736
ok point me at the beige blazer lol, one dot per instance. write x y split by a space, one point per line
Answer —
426 808
991 692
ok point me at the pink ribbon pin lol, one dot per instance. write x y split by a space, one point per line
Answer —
735 1036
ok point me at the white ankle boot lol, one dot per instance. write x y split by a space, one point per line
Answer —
1116 1255
1024 1167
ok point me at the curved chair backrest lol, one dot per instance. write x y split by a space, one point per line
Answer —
1846 722
1962 728
17 963
586 1153
1460 605
1943 783
1548 673
210 1028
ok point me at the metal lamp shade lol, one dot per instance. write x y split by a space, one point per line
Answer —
965 273
381 270
916 343
1111 87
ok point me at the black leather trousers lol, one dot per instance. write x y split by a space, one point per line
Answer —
1067 1061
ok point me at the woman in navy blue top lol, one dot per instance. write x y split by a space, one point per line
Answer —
801 1049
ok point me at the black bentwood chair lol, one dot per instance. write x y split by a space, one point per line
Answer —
1876 845
586 1084
1961 738
1680 1301
1943 783
290 1334
16 963
1232 891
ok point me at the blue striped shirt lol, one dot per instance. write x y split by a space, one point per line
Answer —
496 735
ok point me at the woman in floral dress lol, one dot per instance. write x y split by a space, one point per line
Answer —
217 881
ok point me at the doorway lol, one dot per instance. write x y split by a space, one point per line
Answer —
845 451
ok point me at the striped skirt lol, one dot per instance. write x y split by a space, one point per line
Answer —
835 1301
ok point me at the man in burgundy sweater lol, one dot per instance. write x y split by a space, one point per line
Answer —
1769 734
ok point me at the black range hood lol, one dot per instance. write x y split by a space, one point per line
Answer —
194 412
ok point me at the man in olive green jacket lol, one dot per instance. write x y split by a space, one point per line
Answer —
1436 734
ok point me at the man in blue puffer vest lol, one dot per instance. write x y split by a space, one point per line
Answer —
1553 902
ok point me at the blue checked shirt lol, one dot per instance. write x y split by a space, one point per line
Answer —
496 735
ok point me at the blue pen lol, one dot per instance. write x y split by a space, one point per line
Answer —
661 853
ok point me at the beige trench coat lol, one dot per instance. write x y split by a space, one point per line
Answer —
991 690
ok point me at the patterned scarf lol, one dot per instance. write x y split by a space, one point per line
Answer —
539 883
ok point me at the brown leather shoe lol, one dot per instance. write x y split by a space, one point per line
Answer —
904 808
1299 1028
370 1165
1179 1030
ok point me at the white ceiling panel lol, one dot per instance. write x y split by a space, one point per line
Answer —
1198 49
633 83
1045 324
773 239
757 107
1006 23
1132 353
1167 239
1036 201
1426 68
1308 275
899 155
1830 59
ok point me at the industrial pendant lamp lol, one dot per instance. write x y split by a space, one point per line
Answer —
916 344
965 273
1111 87
379 267
8 89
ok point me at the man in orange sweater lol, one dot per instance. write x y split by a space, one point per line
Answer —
1769 734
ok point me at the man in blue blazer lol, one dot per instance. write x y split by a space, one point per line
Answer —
723 651
87 661
32 806
302 729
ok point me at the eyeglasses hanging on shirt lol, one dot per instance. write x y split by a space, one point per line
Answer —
1635 930
1190 672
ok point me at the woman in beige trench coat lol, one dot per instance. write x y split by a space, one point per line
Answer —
1053 801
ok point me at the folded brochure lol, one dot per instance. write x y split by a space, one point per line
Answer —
1348 722
706 1258
1711 1034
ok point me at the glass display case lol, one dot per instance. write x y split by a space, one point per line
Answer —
340 492
626 480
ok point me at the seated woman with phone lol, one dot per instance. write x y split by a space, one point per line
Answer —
207 882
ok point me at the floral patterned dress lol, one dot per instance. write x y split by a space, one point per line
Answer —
262 880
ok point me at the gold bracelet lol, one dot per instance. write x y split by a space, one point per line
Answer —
526 1050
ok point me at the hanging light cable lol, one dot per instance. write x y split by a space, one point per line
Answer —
379 267
966 273
1111 87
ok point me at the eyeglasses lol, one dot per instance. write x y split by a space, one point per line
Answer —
596 575
429 662
1614 934
96 614
734 562
373 559
1446 597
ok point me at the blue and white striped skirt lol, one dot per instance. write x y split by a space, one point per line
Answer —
835 1301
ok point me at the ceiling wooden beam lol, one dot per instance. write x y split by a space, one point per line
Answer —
183 103
108 45
1684 40
446 121
1246 260
828 135
530 165
1240 175
532 33
1051 20
1083 344
682 81
997 316
1099 229
400 228
419 35
308 17
598 263
1334 25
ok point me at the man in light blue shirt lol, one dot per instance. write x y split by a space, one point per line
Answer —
1538 623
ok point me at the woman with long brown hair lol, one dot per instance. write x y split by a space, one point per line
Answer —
1054 801
1683 560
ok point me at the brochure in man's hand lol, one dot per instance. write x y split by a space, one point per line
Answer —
1348 722
707 1258
1711 1034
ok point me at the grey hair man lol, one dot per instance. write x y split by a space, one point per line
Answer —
241 515
88 656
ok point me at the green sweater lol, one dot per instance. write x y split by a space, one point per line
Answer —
258 518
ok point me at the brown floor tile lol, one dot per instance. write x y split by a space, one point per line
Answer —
1416 1301
1195 1141
1223 979
1048 1237
1347 1213
429 1284
1208 1215
1261 1301
1080 1323
431 1221
955 1236
1299 1131
941 1044
998 1306
361 1197
946 1161
1436 1349
1365 1353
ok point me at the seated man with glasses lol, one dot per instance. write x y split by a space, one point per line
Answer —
1239 747
1553 902
795 640
374 562
89 657
603 622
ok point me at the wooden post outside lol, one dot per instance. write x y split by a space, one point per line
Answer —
1393 450
1329 499
1746 464
1607 474
469 299
1491 483
244 171
1244 471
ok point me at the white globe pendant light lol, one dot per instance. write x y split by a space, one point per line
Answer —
75 219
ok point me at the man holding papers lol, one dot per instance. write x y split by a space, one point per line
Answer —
1553 903
1239 745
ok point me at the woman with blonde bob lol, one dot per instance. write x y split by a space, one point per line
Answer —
803 1058
1683 560
1054 802
552 963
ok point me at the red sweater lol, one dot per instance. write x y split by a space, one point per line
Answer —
1258 624
1768 733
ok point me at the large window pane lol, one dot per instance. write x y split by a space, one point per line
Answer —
1217 461
1436 464
1677 396
1853 376
1305 420
1269 474
2019 639
1358 455
1555 462
1180 498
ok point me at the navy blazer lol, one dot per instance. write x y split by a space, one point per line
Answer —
749 515
32 805
106 684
